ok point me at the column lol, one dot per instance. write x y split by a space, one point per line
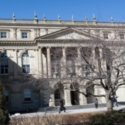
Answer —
63 68
67 95
79 64
101 53
40 63
49 62
82 98
52 100
93 54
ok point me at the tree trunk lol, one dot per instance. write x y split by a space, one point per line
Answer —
109 101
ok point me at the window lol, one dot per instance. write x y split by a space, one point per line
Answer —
27 95
24 35
3 64
3 35
25 63
86 69
105 36
121 36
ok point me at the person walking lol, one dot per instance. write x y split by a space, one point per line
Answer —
115 103
96 102
62 108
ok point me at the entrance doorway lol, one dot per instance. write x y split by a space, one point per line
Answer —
59 94
74 94
74 98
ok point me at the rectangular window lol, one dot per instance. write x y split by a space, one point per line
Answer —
3 64
3 35
27 95
24 35
105 36
121 36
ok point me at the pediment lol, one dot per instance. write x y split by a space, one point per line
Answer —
67 34
72 35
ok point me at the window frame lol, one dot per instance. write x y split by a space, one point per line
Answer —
4 65
106 36
25 67
24 35
27 95
3 35
122 36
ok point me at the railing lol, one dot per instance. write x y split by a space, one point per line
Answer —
63 22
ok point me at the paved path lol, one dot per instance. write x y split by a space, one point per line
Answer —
49 113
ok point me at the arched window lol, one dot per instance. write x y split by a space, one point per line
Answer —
25 63
27 95
3 64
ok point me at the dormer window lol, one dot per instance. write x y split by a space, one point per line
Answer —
24 35
3 35
121 35
105 35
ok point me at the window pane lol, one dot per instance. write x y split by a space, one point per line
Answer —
105 36
27 95
24 35
121 36
3 35
4 63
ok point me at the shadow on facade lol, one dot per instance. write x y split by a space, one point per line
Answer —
24 92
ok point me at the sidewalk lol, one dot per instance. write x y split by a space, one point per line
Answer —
75 111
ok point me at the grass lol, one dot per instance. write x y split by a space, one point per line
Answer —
69 119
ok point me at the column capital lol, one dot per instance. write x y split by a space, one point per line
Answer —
48 47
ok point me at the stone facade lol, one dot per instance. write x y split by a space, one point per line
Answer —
41 49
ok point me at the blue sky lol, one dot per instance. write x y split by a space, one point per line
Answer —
102 9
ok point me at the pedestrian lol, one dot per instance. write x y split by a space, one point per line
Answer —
115 103
62 108
96 102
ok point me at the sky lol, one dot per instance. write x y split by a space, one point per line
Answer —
102 9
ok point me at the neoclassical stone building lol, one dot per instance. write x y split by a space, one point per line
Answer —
48 51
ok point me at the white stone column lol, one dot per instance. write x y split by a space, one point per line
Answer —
63 68
52 100
101 53
49 62
93 54
40 63
103 62
79 64
82 98
67 95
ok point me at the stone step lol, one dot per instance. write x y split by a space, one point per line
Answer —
56 108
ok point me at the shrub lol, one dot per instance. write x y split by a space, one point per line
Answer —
109 118
4 117
100 119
